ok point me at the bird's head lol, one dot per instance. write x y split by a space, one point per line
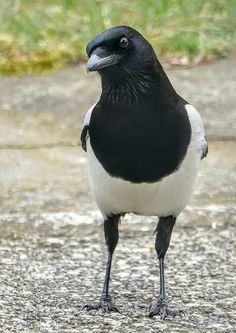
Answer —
119 48
127 63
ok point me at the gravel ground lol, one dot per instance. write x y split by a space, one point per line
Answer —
48 273
52 252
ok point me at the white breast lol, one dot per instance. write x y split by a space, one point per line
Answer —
169 196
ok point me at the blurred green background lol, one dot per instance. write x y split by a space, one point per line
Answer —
43 35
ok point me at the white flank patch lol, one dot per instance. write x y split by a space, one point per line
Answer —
169 196
88 115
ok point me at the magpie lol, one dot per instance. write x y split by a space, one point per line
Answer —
144 144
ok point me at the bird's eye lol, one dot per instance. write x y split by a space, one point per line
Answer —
124 42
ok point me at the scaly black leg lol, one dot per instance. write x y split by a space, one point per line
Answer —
111 237
163 235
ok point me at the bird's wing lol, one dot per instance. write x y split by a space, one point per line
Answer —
85 129
198 128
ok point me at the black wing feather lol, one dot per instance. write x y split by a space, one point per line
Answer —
84 136
205 150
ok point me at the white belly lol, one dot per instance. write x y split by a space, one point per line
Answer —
169 196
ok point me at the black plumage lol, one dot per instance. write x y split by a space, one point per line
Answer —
151 138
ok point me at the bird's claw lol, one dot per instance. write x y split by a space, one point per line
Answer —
161 308
105 304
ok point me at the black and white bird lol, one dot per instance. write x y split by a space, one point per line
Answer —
144 145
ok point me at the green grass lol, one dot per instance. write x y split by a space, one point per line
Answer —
43 35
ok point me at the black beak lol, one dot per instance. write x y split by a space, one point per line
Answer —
100 59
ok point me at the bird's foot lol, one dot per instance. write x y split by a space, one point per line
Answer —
161 308
105 304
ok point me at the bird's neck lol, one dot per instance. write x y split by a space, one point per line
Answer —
129 88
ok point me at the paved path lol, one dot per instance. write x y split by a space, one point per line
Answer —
52 252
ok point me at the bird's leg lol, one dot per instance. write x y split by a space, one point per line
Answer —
163 235
111 237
